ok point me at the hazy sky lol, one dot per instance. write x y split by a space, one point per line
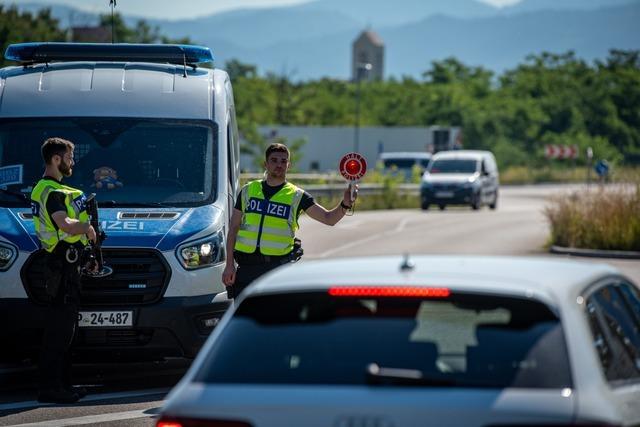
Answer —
177 9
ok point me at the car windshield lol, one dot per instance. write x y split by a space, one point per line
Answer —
453 166
464 340
124 161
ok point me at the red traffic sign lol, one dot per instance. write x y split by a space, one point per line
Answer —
353 166
561 151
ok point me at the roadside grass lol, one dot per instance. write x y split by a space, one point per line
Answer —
601 218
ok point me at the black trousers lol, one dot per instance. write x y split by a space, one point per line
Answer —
248 271
61 324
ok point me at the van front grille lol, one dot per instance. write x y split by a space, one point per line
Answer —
140 276
148 215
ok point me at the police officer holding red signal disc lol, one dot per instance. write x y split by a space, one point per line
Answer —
265 219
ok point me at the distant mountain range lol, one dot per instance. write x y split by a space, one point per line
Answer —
314 39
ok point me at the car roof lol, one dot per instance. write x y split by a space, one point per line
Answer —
404 155
548 279
109 89
458 154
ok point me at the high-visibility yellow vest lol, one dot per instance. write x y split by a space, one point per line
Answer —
75 202
268 224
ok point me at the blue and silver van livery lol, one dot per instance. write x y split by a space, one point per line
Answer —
156 139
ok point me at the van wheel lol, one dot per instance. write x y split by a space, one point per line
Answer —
442 207
475 202
424 206
493 205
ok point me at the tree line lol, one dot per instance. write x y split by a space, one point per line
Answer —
547 99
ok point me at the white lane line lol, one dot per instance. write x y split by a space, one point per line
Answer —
94 419
348 245
89 398
401 226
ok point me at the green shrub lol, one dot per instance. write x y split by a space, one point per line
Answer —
603 218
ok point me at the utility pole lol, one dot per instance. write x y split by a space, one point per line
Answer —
112 3
361 68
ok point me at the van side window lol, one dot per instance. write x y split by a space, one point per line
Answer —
615 325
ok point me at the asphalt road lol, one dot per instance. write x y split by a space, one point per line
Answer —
132 395
517 227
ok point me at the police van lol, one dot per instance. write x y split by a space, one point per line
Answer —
156 140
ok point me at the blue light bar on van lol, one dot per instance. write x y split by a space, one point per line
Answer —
163 53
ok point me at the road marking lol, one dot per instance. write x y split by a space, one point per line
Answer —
346 246
94 419
89 398
402 225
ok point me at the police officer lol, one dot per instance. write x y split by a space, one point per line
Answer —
265 219
62 226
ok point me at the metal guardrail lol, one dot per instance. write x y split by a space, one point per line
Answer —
363 189
337 185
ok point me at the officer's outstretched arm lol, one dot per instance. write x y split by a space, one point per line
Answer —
332 217
325 216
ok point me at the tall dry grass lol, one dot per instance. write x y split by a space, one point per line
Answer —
601 218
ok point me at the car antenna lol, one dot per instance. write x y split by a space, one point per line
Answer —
407 264
113 4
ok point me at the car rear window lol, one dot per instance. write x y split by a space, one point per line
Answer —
462 340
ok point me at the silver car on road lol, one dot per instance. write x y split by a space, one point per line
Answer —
424 341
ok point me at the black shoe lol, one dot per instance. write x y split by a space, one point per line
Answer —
57 396
79 390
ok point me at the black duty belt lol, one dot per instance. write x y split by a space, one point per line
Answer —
258 258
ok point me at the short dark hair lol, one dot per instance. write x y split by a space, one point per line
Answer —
55 146
276 147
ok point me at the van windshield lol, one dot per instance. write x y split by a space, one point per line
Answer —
125 161
453 166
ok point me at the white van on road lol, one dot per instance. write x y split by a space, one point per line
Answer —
461 177
156 140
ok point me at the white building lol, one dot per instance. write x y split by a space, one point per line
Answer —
326 145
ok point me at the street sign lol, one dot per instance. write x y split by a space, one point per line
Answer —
553 151
602 168
353 166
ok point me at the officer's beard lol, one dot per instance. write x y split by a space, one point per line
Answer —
65 169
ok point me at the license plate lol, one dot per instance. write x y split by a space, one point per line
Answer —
98 319
444 194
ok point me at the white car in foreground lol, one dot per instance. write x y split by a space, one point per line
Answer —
425 341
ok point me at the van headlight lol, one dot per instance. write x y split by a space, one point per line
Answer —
8 255
471 182
203 252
